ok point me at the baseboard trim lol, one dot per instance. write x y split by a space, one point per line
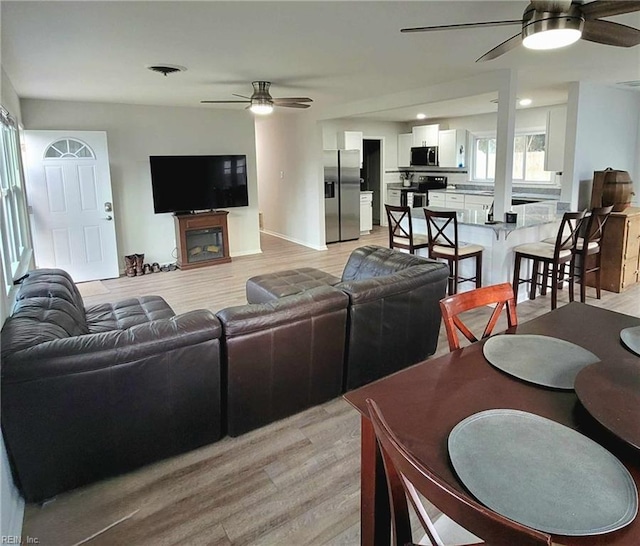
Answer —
292 240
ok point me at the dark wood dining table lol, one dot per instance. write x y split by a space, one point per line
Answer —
423 403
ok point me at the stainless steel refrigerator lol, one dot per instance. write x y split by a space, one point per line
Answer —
341 195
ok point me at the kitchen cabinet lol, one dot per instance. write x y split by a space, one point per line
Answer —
452 148
351 140
405 142
393 197
478 202
555 135
425 135
459 201
620 260
366 212
446 200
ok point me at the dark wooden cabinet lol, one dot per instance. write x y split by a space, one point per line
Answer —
202 239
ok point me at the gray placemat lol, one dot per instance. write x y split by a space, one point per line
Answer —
542 360
631 339
542 474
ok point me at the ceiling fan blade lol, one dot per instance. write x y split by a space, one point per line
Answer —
241 96
291 99
293 105
501 49
607 8
223 101
610 33
464 25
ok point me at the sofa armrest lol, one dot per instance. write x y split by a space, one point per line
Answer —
92 352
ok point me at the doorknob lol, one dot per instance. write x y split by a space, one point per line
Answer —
109 217
108 207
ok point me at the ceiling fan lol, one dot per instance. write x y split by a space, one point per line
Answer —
548 24
261 101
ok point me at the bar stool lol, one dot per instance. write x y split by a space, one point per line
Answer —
555 256
442 233
401 230
590 245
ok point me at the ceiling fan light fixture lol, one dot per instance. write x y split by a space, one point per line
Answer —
550 30
262 107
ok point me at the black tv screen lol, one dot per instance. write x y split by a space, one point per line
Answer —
186 183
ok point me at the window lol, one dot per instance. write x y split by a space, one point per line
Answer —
528 158
14 244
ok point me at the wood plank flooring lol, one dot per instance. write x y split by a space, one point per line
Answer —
292 482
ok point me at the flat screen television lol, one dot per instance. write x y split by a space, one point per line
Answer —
187 183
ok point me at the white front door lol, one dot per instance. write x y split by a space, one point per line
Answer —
71 206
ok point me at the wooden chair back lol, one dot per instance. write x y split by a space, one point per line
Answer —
442 229
401 228
595 225
568 233
406 477
452 306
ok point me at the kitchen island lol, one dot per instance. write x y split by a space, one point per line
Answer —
535 221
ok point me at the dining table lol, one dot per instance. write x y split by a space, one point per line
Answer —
423 403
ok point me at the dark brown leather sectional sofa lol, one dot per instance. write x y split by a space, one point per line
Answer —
93 392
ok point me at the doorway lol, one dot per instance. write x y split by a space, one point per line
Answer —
371 173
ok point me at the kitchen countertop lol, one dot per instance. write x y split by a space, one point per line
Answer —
530 215
488 193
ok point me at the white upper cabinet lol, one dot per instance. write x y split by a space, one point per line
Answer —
351 140
405 141
556 129
425 135
452 148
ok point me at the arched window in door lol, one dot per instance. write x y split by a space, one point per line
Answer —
69 148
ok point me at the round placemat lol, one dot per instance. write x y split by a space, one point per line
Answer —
631 339
542 360
542 474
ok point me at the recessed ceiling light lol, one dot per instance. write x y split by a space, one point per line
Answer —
166 69
421 116
525 102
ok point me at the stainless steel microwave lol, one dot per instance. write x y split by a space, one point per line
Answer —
425 156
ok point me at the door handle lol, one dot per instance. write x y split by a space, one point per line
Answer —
108 207
109 217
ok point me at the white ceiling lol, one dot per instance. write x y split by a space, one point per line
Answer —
335 52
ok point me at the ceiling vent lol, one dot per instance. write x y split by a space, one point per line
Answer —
166 69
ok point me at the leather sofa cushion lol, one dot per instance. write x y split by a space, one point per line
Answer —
270 286
124 314
39 320
372 261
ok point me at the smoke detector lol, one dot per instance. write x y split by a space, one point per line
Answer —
166 69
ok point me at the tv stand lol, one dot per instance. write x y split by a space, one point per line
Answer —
202 239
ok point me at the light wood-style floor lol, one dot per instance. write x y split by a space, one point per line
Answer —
293 482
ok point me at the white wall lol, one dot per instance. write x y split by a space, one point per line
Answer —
134 133
289 155
11 504
526 118
602 131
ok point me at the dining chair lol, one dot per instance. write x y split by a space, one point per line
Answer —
408 478
553 257
401 233
443 241
587 254
453 306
